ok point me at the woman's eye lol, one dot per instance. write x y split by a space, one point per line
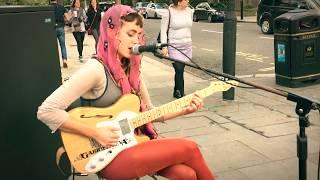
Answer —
130 34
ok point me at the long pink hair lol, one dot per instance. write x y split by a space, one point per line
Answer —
107 51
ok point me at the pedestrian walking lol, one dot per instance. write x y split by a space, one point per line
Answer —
60 15
176 26
78 19
94 18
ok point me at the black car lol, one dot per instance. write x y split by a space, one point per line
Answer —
270 9
204 11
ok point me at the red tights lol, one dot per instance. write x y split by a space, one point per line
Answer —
173 158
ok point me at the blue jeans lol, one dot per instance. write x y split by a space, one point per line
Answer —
61 38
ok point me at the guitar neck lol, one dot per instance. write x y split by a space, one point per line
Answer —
173 106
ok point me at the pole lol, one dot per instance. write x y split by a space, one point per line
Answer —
229 45
241 9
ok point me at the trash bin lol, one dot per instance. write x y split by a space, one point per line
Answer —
297 48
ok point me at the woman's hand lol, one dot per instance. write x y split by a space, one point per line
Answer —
195 104
107 136
164 51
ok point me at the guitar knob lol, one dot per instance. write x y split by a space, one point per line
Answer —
92 166
101 159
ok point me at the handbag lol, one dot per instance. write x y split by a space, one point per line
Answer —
159 34
89 30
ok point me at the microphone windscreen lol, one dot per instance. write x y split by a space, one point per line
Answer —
135 49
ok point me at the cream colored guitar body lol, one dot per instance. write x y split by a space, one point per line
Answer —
88 156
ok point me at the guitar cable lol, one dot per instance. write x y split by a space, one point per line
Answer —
210 74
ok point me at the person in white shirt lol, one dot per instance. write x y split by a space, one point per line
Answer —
179 36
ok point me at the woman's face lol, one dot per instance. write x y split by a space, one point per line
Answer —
77 3
183 3
128 36
93 3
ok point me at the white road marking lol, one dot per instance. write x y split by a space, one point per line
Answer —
211 31
266 69
264 37
255 76
252 57
205 49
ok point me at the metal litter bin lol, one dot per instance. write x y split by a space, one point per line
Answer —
297 48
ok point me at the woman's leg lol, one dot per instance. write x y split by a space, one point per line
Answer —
178 77
82 34
77 36
95 34
178 172
61 38
153 156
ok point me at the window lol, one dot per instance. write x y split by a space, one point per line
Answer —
266 2
285 3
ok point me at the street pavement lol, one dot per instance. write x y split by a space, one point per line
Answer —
250 138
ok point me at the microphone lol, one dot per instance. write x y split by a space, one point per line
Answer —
138 49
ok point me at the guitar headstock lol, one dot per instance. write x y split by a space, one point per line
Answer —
223 86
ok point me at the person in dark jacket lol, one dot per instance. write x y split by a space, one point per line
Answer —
94 18
60 15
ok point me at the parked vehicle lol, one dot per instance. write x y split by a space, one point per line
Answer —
140 7
155 10
204 11
104 6
268 10
67 7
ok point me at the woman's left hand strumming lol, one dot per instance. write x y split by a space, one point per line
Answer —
195 104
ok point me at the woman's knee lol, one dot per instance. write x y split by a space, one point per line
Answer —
179 172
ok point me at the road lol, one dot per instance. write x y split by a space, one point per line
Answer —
254 54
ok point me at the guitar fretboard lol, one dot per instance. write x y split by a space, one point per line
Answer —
173 106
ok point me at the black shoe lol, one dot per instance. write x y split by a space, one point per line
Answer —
177 94
65 65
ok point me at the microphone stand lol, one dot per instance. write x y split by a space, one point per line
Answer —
303 107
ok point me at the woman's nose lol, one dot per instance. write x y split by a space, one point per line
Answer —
136 40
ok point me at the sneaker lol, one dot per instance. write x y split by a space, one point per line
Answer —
65 65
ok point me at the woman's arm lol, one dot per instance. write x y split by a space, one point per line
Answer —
163 31
52 111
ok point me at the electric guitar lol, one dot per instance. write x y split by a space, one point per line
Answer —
88 156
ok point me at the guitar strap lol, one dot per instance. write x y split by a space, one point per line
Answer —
59 153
